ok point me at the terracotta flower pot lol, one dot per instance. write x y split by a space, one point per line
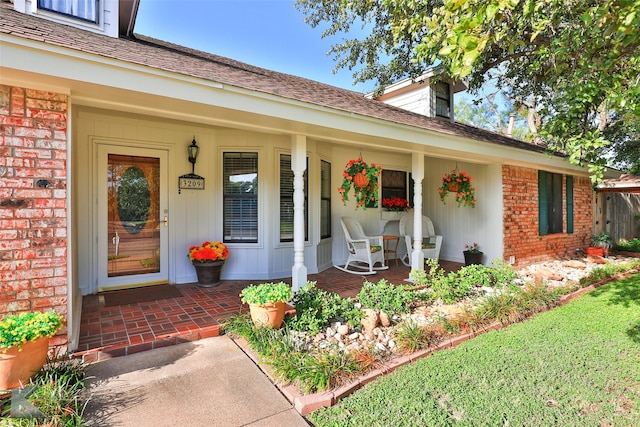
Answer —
453 187
16 367
267 315
595 251
360 180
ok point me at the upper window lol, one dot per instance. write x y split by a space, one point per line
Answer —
87 10
325 199
550 203
240 197
286 201
443 104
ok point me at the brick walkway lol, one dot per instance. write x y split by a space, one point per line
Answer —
107 332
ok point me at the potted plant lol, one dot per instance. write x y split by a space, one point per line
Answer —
472 254
460 184
364 180
600 244
267 302
208 260
396 204
24 343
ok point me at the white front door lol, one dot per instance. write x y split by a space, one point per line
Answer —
133 217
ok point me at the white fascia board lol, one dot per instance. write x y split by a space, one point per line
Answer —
76 67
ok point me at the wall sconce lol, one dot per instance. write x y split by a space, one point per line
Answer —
193 154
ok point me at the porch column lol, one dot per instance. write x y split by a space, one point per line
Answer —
417 171
298 166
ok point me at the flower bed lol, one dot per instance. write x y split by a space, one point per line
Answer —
321 350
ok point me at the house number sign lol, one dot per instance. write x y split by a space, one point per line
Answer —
190 182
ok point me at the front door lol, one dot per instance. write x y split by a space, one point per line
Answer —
133 217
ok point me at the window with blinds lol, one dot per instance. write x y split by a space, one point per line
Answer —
86 10
325 199
286 200
550 206
240 197
443 105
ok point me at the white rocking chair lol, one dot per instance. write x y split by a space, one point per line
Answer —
430 241
364 251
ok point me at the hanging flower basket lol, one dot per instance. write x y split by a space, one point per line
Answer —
364 180
460 184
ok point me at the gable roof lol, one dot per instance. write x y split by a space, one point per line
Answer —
161 55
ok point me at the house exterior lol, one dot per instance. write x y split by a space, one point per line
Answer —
87 107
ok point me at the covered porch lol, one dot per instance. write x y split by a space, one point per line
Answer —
107 332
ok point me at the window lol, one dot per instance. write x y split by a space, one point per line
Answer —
394 184
325 199
442 99
87 10
240 197
550 203
286 200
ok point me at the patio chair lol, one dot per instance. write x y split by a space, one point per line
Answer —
364 251
431 243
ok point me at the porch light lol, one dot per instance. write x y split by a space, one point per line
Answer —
193 154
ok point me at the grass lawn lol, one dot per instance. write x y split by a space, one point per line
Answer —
577 365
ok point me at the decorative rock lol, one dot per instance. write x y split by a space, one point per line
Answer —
354 336
547 273
343 329
376 331
369 320
330 331
574 263
384 319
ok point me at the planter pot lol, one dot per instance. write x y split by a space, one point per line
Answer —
471 258
208 272
267 315
453 187
392 215
16 367
360 180
596 251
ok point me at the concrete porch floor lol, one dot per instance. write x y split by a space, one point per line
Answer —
107 332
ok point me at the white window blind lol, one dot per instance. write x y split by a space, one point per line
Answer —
240 194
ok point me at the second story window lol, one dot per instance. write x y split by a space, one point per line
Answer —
86 10
443 104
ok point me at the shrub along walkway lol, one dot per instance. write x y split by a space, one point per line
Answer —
107 332
574 365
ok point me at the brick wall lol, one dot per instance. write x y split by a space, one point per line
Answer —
521 239
33 202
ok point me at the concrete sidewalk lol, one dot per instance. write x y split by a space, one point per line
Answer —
210 382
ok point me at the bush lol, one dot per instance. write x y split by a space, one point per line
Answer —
632 245
386 297
317 309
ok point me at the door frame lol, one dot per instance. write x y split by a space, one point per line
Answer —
101 148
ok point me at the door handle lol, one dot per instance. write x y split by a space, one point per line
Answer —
166 221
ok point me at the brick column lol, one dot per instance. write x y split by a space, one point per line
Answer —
33 202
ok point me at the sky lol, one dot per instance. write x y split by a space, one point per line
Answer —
267 33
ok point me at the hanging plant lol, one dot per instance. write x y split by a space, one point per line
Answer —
364 180
458 183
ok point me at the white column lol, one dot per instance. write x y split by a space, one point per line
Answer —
417 171
298 166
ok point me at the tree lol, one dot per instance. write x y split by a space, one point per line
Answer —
576 61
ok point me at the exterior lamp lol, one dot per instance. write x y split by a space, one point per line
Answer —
193 154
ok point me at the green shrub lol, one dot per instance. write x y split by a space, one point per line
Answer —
632 245
386 297
411 337
317 309
266 293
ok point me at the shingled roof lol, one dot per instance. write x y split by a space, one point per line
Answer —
158 54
